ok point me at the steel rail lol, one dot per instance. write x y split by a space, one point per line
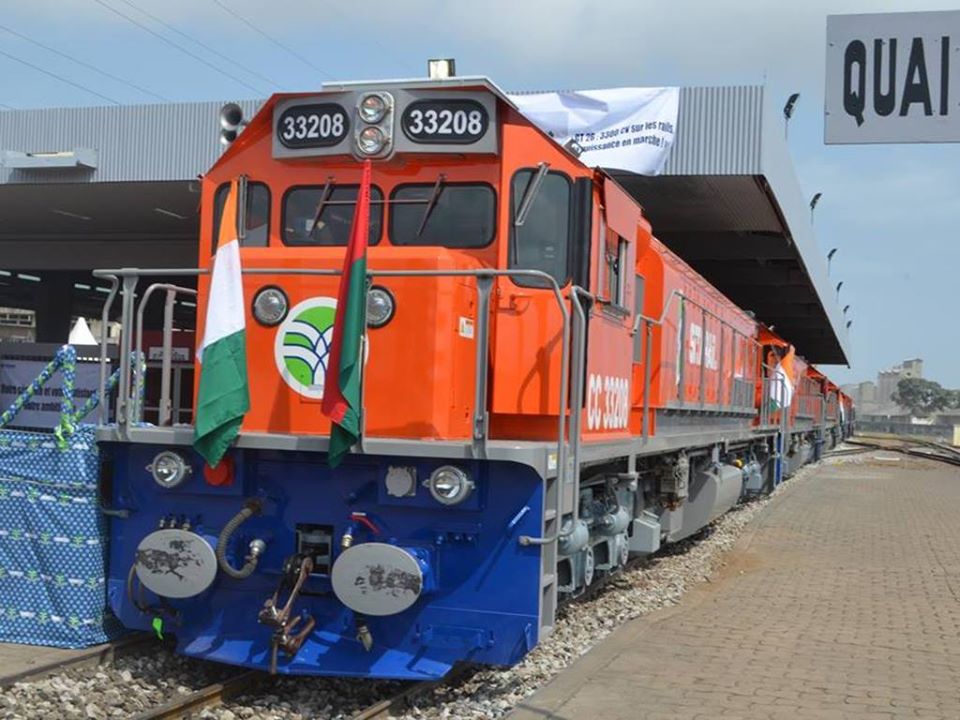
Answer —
402 700
92 657
210 696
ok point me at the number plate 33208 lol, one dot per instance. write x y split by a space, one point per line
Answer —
445 121
309 126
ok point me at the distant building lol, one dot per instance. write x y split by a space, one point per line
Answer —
17 325
863 394
887 380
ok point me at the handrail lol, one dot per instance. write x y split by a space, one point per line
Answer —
104 336
650 322
577 370
128 277
172 291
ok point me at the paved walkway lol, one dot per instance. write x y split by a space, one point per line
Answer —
843 601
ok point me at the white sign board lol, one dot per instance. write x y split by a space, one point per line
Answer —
621 128
889 78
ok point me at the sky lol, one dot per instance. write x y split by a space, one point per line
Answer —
889 209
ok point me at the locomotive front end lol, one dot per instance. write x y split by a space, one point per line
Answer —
415 551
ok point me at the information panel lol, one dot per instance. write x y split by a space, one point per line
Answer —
890 80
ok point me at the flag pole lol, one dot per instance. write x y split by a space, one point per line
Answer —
364 354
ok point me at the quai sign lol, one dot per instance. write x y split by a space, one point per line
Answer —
889 78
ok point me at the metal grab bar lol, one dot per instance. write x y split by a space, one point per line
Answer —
104 336
135 400
642 320
129 277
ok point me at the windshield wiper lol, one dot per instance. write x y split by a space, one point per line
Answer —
324 198
431 203
533 187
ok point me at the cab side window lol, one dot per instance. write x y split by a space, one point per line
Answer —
543 241
258 215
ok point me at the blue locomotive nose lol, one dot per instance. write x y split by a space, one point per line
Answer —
352 577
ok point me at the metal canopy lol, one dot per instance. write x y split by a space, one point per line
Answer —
728 203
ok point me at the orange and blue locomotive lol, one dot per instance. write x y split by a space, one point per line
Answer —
546 391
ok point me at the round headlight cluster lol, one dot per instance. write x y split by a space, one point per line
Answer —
372 108
371 140
168 469
270 306
449 485
380 306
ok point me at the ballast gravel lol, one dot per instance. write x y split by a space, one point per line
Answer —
137 683
124 689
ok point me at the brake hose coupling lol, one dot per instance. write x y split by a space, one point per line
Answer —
347 540
257 548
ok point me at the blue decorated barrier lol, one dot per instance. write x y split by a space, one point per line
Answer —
52 533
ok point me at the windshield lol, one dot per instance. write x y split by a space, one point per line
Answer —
462 215
302 226
258 215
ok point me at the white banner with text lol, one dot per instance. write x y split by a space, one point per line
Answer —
620 128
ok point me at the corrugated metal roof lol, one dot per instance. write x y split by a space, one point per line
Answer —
176 141
719 131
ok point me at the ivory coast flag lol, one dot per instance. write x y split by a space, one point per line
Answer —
224 394
341 385
782 394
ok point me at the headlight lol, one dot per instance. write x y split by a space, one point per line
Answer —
380 306
372 108
270 306
449 485
371 140
169 469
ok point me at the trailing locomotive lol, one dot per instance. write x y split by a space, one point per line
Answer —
546 390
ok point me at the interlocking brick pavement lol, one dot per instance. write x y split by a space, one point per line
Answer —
842 601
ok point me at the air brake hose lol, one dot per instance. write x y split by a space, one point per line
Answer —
256 546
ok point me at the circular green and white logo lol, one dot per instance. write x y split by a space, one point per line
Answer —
303 345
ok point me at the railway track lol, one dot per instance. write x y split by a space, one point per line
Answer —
218 693
251 680
95 657
915 447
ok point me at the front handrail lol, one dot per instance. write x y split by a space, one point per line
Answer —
171 292
126 279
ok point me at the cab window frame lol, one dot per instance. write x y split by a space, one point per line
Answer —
379 203
570 249
429 186
217 216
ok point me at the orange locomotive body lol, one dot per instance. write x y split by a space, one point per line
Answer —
546 389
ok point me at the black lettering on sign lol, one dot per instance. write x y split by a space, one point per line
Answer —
884 103
944 72
912 85
916 90
853 100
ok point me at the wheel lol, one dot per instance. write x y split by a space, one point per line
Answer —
589 564
624 550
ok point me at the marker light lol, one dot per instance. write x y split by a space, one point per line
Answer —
372 108
168 469
449 485
380 306
401 481
270 306
371 140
